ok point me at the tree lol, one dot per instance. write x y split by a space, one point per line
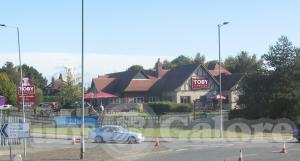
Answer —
199 59
167 64
135 68
70 92
11 71
273 92
242 63
181 60
35 76
281 55
8 89
39 97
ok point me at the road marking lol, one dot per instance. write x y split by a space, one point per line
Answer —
180 149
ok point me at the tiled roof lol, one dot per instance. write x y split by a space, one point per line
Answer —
56 84
174 78
101 83
228 81
213 68
140 85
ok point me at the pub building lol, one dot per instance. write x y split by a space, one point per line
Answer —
182 84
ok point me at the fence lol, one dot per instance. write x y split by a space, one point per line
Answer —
175 120
4 119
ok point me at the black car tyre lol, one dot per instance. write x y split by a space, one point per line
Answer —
99 139
132 140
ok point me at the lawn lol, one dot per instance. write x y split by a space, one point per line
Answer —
165 132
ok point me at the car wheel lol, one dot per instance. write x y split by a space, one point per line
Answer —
298 139
99 139
132 140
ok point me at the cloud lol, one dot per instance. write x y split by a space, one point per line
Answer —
51 64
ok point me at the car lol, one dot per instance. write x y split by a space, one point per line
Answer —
7 106
296 132
115 133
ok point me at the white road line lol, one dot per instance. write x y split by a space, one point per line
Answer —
180 149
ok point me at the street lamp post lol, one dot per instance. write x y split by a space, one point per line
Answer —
220 80
21 79
82 147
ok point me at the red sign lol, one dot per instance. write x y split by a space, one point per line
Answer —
200 83
27 90
26 99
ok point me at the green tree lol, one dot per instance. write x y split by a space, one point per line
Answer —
273 92
35 76
199 59
11 71
181 60
135 68
281 56
167 64
8 89
39 97
242 63
70 92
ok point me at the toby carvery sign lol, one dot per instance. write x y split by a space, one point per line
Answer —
200 83
27 89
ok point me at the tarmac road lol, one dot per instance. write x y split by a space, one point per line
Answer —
42 149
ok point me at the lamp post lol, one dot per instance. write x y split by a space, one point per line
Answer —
220 80
82 147
21 79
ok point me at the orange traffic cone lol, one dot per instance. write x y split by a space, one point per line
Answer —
73 140
284 149
241 155
157 143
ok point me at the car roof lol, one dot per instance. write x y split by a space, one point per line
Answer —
110 126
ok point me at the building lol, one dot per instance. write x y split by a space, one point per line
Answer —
53 88
182 84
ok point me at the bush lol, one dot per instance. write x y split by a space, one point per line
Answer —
164 107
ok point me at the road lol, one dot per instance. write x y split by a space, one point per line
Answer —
42 149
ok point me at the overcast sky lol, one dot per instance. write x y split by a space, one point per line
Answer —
120 33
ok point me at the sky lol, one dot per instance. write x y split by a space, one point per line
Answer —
120 33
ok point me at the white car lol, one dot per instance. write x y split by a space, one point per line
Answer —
6 106
114 133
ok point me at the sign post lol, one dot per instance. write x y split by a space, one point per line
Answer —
26 92
15 130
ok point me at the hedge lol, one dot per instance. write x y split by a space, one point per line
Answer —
164 107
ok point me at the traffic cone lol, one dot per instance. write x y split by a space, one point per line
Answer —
73 140
157 143
241 155
284 149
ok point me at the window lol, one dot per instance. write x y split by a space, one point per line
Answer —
185 99
153 99
138 99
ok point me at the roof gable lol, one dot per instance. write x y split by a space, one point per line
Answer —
140 75
200 71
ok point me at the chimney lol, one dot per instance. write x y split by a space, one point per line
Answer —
60 76
159 68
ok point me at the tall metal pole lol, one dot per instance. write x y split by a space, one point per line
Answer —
82 148
220 82
22 95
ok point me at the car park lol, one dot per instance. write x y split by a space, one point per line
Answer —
114 133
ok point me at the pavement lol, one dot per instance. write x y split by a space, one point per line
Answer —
171 149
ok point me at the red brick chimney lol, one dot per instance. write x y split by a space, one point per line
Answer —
159 68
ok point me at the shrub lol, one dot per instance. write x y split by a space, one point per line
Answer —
164 107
